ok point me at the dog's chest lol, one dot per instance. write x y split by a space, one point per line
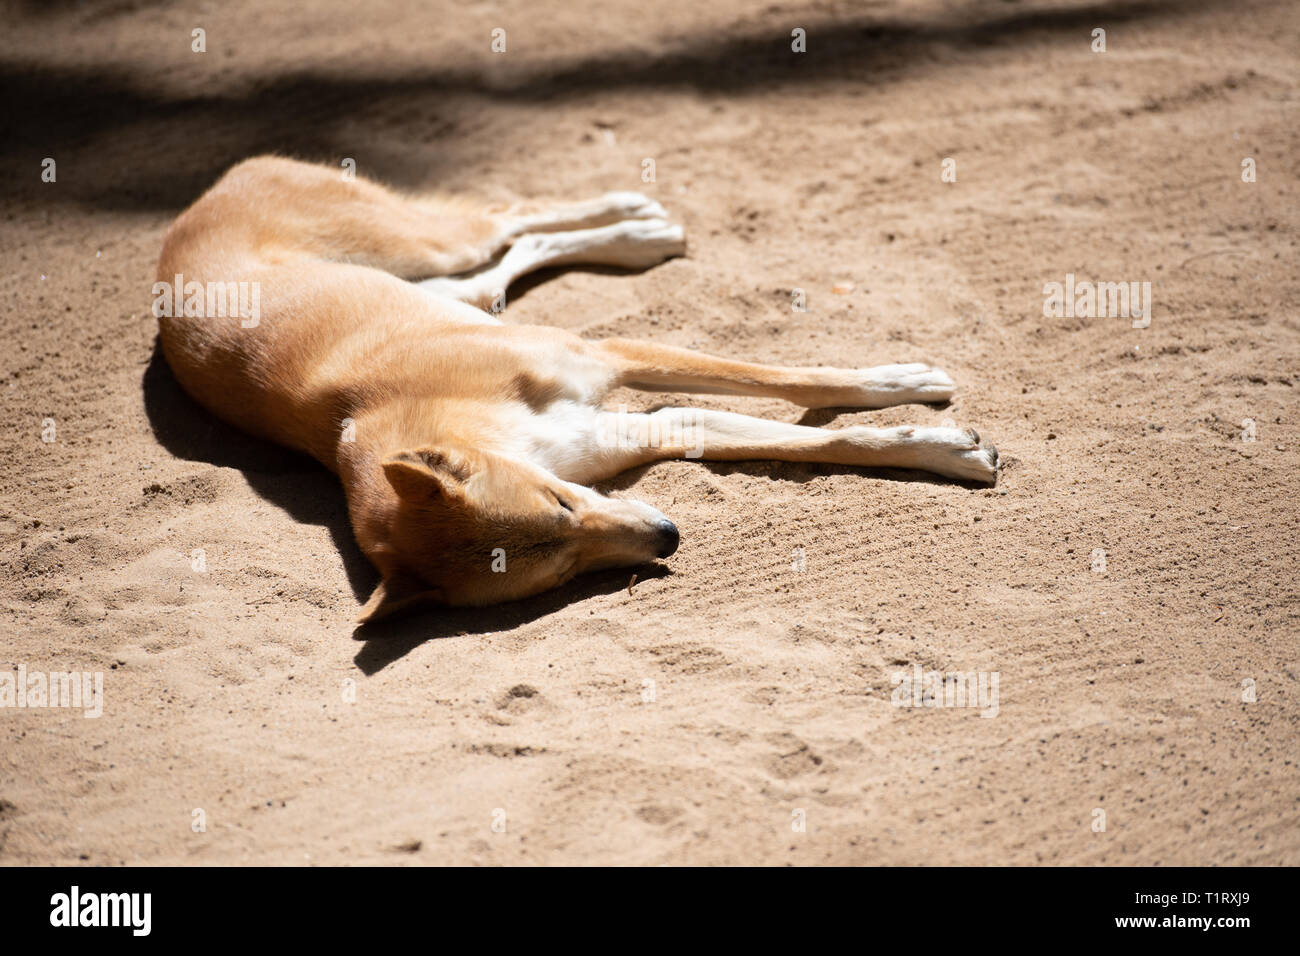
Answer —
557 422
564 438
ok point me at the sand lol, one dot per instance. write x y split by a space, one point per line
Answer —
734 706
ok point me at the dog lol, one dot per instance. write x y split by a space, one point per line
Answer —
373 341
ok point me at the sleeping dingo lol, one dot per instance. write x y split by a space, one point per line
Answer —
466 445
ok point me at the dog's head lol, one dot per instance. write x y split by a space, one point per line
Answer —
474 527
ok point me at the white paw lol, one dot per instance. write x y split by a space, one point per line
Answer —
645 242
626 205
877 387
901 384
955 452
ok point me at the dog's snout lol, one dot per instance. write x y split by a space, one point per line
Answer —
668 537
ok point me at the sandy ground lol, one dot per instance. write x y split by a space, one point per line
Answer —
700 716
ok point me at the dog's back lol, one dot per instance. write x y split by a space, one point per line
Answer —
321 328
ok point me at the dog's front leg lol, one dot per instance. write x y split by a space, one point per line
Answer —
664 368
626 440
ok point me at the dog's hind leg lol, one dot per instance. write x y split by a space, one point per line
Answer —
626 440
630 244
664 368
342 217
534 216
291 206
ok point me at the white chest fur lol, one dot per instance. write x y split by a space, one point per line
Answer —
564 438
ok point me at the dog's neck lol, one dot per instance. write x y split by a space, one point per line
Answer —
371 500
358 460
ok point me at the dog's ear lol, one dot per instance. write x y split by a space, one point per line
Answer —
396 592
421 474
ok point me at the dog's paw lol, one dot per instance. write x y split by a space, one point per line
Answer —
954 452
646 242
877 387
628 205
904 384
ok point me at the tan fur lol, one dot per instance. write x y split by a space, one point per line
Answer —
468 435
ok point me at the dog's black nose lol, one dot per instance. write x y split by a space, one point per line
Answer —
668 537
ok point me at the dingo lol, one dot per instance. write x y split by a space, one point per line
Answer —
466 445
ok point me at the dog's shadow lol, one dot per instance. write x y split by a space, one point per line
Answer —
291 481
306 491
389 640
